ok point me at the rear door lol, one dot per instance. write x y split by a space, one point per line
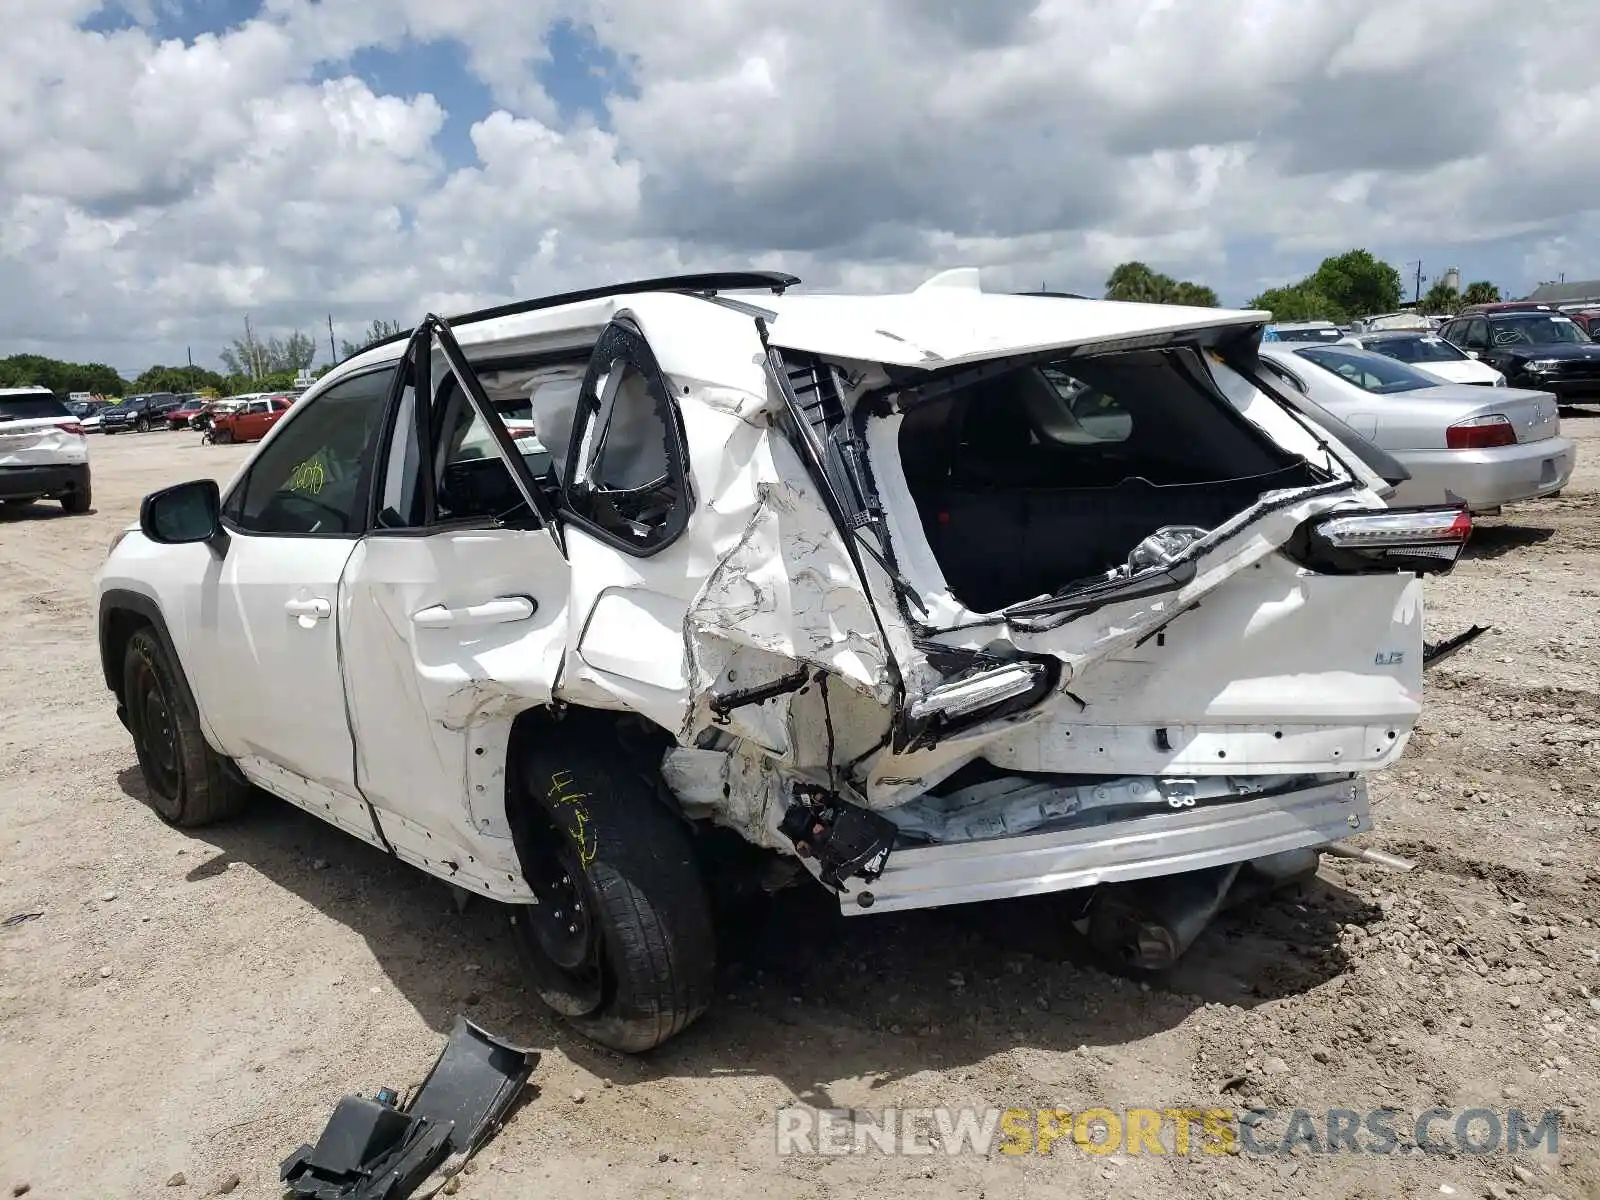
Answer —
452 619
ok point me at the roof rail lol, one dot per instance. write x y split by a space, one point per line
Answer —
709 282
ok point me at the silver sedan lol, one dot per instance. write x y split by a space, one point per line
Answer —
1462 444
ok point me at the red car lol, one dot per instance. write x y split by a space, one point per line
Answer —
250 423
1588 320
180 417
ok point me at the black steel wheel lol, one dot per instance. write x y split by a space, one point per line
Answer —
187 783
620 940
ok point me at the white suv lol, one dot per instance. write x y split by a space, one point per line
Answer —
43 453
936 598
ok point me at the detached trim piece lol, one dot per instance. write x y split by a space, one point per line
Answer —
1112 852
1434 653
374 1150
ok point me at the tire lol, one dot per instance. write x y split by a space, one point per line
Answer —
638 964
187 783
79 500
142 425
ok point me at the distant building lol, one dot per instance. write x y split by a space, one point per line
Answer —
1451 278
1584 291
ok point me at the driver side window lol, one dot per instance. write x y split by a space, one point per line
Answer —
307 480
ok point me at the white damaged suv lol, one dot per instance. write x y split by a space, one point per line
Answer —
938 597
43 453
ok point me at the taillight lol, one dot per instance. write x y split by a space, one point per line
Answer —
1480 433
1424 541
71 427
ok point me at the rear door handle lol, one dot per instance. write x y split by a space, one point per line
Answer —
316 608
498 611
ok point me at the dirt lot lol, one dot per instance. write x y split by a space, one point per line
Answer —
195 1005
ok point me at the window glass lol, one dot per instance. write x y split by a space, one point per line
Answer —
1477 334
1283 373
628 480
400 500
1535 329
27 406
1370 372
1420 349
307 479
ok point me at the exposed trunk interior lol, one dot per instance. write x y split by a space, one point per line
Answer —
1035 480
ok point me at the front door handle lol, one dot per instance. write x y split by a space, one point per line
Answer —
498 611
316 609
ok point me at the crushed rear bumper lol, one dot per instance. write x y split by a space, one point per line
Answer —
1142 848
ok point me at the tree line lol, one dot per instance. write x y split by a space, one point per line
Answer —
1342 288
250 364
1355 284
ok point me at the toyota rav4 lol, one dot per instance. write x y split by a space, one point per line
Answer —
935 598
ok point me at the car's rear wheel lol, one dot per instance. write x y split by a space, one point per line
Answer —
79 500
187 783
620 941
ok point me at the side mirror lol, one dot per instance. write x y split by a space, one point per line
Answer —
187 512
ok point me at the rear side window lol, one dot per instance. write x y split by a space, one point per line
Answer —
627 480
31 406
1370 372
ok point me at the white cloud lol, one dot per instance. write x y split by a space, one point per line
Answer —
152 192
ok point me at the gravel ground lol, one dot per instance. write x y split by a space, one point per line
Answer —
186 1010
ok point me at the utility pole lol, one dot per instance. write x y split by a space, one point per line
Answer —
189 350
250 347
1418 297
333 351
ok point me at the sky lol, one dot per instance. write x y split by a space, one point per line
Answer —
169 167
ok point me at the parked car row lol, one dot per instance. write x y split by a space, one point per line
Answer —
244 418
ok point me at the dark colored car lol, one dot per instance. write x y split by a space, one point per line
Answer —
1506 306
140 413
87 408
180 417
1539 349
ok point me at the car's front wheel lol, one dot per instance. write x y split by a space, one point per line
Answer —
187 783
619 941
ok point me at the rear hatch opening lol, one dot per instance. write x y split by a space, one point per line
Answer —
1050 478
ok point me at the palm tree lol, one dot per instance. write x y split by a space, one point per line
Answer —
1481 292
1442 300
1137 282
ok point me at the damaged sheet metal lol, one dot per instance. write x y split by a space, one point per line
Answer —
375 1149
